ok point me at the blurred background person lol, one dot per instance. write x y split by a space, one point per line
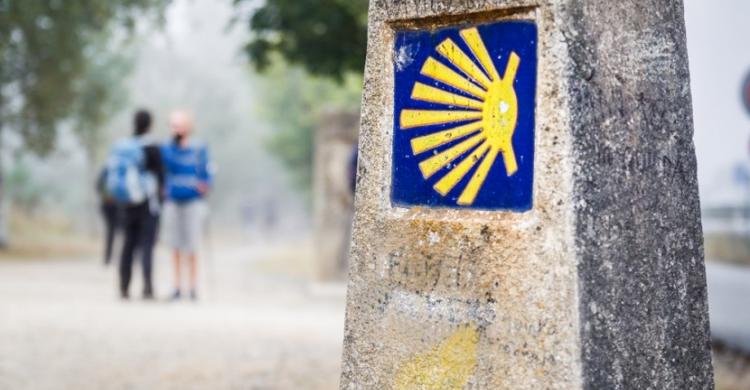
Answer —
188 182
135 177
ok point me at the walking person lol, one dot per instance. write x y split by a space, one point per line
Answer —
135 178
188 181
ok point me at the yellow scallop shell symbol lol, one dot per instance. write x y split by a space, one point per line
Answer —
484 122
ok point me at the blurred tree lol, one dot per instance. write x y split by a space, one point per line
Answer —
325 37
25 191
99 94
45 48
293 102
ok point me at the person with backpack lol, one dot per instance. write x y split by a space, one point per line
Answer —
135 179
187 185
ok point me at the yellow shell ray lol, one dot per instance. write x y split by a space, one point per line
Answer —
420 118
472 38
457 57
446 184
426 93
437 71
510 70
435 163
477 180
448 366
432 141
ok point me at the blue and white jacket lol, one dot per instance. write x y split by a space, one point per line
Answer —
186 167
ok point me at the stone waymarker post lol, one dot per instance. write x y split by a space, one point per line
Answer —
527 212
335 139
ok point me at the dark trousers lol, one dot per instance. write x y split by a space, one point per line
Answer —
141 229
110 214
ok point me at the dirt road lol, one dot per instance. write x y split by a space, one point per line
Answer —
63 327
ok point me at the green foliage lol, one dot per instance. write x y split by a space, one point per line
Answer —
326 37
99 95
24 190
293 102
45 50
292 40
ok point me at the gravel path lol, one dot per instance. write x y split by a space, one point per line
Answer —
62 327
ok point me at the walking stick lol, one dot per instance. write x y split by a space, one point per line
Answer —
209 256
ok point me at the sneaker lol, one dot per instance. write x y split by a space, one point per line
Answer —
175 295
193 295
148 295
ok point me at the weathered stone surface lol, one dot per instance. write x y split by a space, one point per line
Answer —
638 233
601 285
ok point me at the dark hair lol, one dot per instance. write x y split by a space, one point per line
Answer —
142 122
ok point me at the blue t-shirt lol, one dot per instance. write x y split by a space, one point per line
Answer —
186 167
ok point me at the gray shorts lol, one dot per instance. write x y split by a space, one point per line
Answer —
184 225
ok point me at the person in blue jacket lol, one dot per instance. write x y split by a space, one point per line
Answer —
188 181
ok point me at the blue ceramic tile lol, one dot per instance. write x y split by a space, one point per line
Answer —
465 110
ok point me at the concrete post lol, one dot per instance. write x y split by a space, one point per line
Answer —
335 139
528 213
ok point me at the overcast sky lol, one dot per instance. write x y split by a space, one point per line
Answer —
719 61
